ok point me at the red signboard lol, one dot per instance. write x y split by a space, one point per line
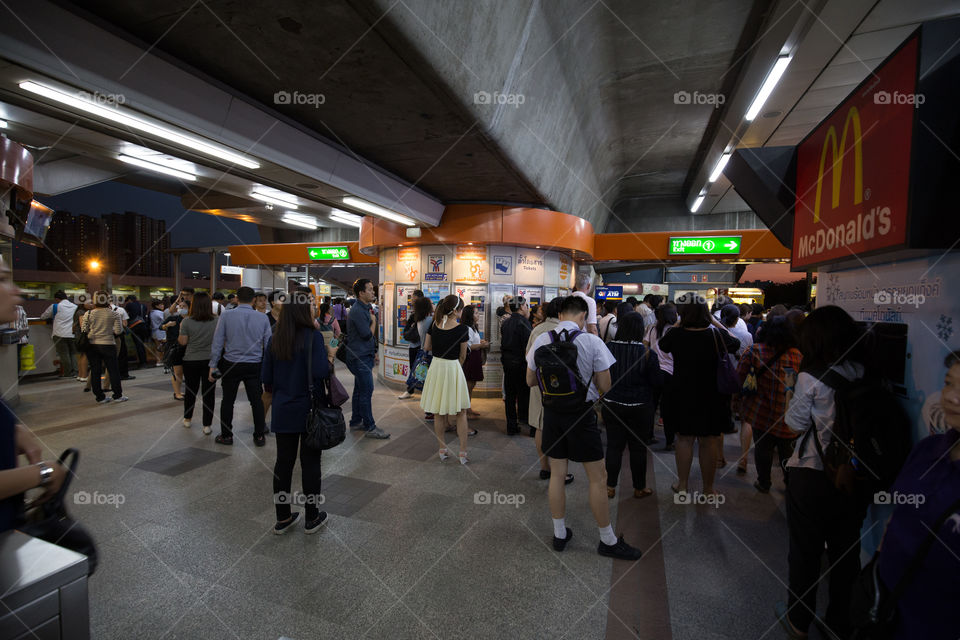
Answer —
853 170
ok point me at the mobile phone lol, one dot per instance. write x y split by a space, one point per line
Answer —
334 342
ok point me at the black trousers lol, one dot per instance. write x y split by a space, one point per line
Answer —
233 374
195 375
141 333
626 427
287 444
669 432
516 391
817 514
764 445
122 363
104 356
414 352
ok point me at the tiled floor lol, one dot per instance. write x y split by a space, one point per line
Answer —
412 549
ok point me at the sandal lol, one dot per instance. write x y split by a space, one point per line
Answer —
444 455
472 432
463 457
641 493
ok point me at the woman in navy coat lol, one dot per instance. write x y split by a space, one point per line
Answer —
284 374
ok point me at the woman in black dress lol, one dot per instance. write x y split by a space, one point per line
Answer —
698 410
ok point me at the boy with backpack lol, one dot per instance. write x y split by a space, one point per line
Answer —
853 440
572 368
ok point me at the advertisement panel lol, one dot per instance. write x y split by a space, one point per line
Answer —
853 170
477 296
566 271
533 295
408 264
470 264
396 364
404 310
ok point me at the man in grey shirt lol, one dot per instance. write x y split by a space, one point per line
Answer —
238 346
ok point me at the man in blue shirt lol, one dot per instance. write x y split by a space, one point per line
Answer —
238 346
362 358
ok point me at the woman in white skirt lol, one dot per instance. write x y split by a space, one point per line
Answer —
445 393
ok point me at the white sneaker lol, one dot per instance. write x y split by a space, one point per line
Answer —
206 430
404 395
121 399
186 423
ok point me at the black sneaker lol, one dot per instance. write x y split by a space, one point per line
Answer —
761 488
312 526
559 544
282 527
621 550
259 439
544 474
223 439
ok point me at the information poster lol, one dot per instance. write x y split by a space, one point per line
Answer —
436 292
387 304
497 291
408 264
396 363
381 314
470 264
477 296
566 271
404 310
549 293
533 295
529 267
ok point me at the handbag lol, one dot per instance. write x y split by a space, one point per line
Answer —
325 426
342 348
423 365
338 393
728 381
873 607
49 520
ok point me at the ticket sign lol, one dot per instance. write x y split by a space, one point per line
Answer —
328 253
705 245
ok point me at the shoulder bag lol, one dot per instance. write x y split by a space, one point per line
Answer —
728 381
325 426
50 521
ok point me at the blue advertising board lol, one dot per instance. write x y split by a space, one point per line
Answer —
609 293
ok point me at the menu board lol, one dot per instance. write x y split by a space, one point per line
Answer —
476 296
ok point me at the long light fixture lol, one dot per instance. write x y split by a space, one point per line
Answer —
772 79
718 169
156 166
277 198
697 203
346 218
299 220
126 117
377 210
3 124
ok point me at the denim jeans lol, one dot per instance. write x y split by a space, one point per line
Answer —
362 401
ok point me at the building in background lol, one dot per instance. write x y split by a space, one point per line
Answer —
72 241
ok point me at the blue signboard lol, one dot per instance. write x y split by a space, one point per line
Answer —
609 293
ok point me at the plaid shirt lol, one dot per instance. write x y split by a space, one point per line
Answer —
765 409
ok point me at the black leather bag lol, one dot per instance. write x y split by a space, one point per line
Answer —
325 426
50 521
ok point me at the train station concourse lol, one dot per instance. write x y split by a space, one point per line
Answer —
535 319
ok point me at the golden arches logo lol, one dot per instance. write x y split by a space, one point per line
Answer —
852 122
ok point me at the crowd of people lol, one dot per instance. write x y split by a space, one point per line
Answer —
572 370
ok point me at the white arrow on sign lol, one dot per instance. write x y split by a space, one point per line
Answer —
731 245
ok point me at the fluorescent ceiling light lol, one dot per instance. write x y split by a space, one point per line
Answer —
717 170
276 197
346 216
126 117
351 221
696 204
3 124
772 79
299 220
377 210
159 168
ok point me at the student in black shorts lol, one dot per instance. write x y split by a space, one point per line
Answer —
574 435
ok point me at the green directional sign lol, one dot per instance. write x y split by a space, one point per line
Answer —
705 245
328 253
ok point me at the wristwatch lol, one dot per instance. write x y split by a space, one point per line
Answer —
46 473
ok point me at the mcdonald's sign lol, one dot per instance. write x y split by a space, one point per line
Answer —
853 170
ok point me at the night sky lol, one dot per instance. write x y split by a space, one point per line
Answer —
186 228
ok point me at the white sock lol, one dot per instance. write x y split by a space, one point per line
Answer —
607 536
560 528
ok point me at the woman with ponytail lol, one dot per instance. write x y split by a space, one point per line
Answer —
445 393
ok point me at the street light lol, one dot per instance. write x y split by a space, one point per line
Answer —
94 265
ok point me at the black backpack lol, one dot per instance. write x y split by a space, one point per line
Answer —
558 375
870 436
410 332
